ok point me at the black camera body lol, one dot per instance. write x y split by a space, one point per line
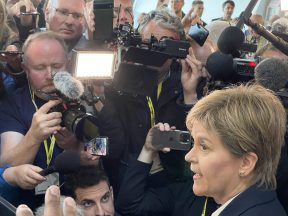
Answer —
77 120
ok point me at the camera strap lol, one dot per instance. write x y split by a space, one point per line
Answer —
49 146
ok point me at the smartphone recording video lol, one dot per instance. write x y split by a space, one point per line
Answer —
174 139
198 33
98 146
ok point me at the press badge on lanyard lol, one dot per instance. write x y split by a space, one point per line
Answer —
52 179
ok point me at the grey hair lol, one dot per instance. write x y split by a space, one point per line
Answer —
40 210
165 19
280 25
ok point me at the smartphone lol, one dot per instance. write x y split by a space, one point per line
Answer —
174 139
98 146
198 33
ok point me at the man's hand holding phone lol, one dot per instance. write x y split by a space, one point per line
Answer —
162 137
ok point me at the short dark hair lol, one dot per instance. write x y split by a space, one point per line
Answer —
196 2
228 2
87 176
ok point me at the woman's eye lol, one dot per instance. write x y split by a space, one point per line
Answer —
203 147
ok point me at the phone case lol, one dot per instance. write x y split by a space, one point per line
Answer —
174 139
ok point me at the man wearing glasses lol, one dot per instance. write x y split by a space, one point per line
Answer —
66 17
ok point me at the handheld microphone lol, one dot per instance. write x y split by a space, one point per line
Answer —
278 42
66 162
67 85
272 73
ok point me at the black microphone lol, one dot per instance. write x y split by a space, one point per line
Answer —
220 66
278 42
232 37
272 73
67 85
230 40
65 163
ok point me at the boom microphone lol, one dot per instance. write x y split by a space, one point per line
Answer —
66 162
272 73
67 85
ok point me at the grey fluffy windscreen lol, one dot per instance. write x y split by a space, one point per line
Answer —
68 85
272 73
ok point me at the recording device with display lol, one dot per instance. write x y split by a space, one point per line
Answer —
174 139
98 146
198 33
225 70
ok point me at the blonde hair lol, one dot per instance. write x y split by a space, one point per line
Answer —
247 119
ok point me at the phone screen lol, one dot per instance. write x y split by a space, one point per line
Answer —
198 33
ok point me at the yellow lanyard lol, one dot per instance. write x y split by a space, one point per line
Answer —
150 104
48 151
205 206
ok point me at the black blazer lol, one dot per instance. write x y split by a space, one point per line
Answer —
254 202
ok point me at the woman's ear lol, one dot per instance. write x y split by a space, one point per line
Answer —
248 164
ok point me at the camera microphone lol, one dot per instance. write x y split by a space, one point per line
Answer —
272 73
232 37
220 66
65 163
67 85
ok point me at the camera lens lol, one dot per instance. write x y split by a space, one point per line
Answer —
185 138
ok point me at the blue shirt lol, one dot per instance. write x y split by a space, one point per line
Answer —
16 113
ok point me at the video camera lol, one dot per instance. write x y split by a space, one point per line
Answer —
226 70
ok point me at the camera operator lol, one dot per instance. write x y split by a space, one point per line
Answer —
29 132
175 94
